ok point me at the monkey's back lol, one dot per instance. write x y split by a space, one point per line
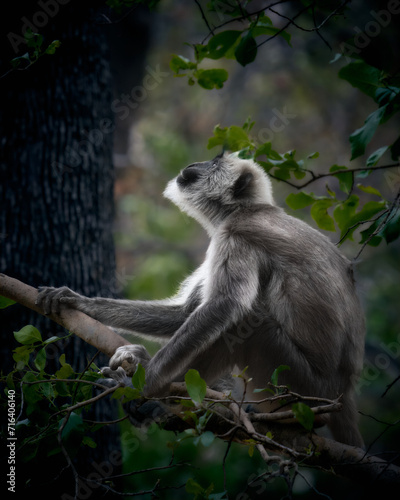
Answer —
306 287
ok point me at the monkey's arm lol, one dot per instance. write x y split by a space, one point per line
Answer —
160 318
230 291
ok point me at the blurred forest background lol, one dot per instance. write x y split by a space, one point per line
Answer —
157 245
165 127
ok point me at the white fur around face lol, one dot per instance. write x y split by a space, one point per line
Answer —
217 186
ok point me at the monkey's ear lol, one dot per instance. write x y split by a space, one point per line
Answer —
241 185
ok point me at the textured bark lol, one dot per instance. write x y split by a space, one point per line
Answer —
56 168
86 328
56 189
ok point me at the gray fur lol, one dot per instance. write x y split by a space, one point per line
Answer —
272 291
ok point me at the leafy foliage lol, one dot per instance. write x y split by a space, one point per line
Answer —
36 50
304 415
53 404
196 386
372 82
50 406
240 45
339 209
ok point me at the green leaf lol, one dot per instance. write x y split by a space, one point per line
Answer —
62 360
5 302
127 393
304 415
266 149
233 138
73 432
374 158
221 43
65 371
21 356
88 441
40 360
195 489
369 190
395 149
271 31
362 76
237 138
138 378
246 51
346 180
276 372
28 335
47 390
345 211
51 49
25 58
179 63
336 168
346 216
299 200
319 212
373 241
207 438
219 138
52 339
211 78
386 94
362 136
200 52
196 386
392 229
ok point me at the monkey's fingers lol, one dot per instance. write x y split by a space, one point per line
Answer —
131 356
47 300
114 377
70 301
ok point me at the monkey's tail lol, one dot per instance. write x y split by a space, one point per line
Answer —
344 424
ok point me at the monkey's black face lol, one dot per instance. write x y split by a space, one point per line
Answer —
196 171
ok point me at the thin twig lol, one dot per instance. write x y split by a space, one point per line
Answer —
392 212
316 177
204 17
388 387
360 223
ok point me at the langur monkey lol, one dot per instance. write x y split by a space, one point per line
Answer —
271 291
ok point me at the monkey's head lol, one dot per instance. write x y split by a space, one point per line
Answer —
211 190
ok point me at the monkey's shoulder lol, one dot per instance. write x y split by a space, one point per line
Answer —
266 222
272 230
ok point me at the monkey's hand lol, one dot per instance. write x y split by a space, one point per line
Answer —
141 413
114 377
130 356
52 299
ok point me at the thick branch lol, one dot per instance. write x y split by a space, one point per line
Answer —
293 440
88 329
287 439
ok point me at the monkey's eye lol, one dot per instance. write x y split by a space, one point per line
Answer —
215 161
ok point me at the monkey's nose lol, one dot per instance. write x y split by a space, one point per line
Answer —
190 174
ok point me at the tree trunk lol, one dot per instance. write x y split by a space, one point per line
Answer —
56 190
